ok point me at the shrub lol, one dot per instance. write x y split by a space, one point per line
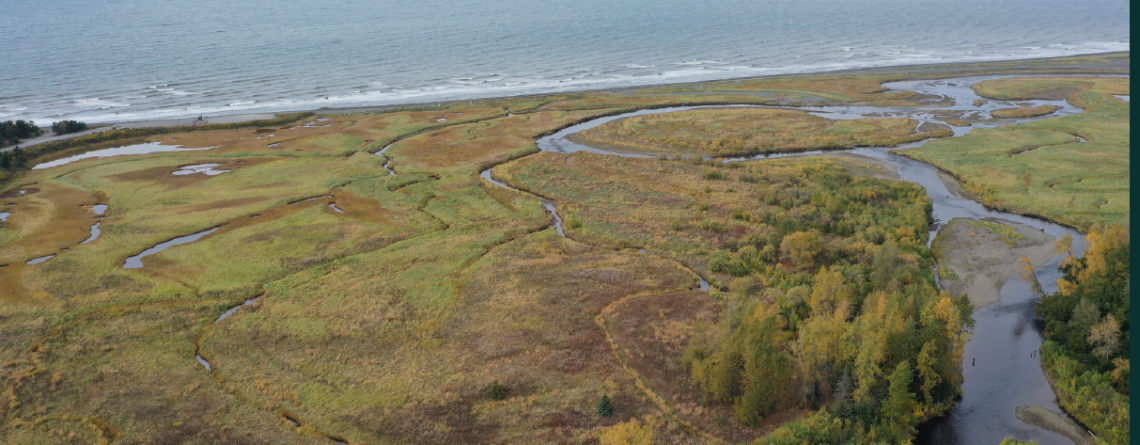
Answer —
498 391
627 433
68 126
714 175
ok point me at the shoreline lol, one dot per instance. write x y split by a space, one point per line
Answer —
904 72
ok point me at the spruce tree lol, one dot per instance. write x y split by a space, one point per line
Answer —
605 406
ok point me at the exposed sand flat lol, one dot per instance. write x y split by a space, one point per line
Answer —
977 261
1044 418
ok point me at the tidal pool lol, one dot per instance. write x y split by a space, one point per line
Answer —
137 149
205 169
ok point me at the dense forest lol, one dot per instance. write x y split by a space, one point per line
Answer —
1087 330
11 132
846 316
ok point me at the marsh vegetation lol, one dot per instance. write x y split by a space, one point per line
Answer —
723 132
432 306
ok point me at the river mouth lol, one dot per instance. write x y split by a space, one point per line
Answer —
1005 337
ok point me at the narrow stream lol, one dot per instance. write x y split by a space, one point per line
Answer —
95 232
1004 374
135 262
388 162
198 354
547 204
100 210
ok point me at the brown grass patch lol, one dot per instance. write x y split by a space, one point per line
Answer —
652 332
359 207
224 203
165 174
47 222
15 193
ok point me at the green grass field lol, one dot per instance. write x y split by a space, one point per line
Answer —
1041 167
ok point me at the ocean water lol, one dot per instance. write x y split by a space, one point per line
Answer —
124 60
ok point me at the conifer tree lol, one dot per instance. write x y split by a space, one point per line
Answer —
605 406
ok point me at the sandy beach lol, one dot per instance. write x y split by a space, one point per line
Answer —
1051 66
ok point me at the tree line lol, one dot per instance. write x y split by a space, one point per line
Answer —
1088 335
11 132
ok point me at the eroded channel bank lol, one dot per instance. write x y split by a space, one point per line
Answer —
1001 370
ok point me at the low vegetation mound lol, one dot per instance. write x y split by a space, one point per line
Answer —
1087 327
724 132
1022 112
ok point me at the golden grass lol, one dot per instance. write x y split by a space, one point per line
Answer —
724 132
843 88
1022 112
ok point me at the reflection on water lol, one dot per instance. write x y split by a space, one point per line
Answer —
205 169
388 163
41 259
95 232
137 149
135 262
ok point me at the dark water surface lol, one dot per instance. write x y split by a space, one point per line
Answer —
121 60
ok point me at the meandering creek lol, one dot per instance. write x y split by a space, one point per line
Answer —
1001 370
